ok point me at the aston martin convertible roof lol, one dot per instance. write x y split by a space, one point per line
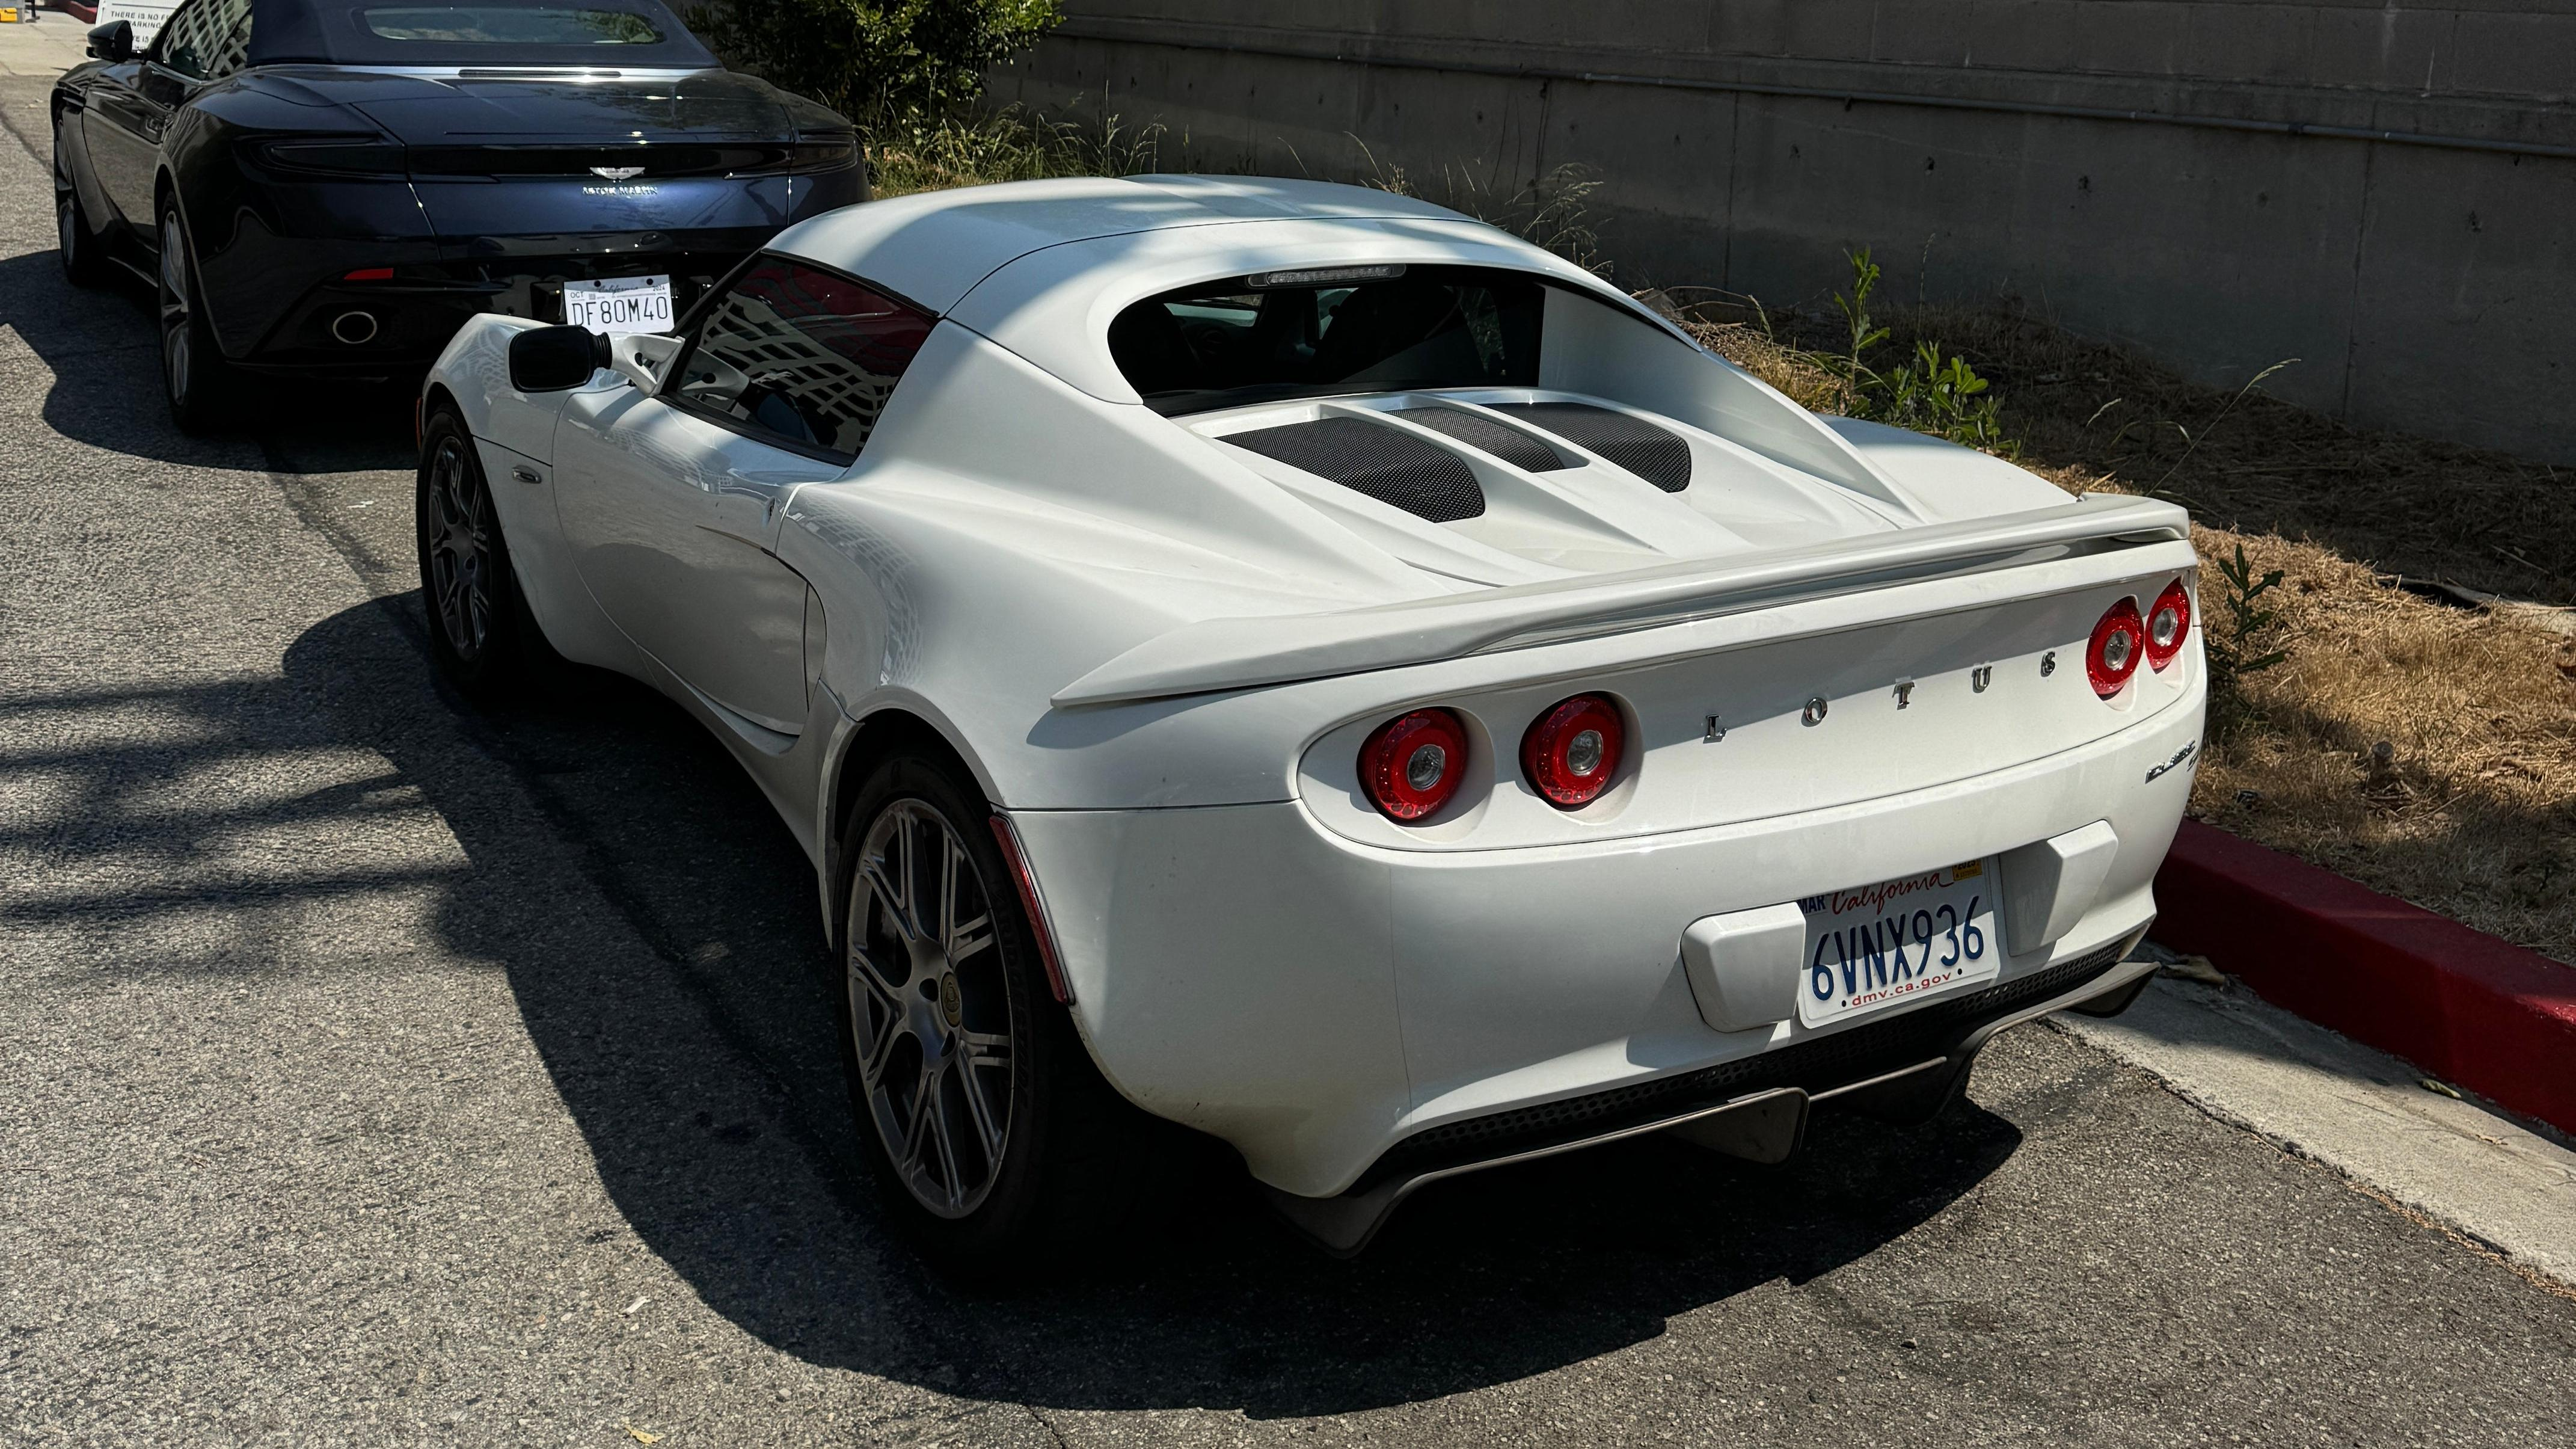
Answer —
637 33
934 247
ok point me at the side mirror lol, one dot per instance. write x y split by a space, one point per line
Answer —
550 359
112 42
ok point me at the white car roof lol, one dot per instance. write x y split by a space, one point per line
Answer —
1043 267
932 247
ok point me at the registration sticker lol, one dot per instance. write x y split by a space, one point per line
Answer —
616 305
1900 940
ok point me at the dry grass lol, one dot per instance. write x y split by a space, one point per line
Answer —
2427 751
2085 412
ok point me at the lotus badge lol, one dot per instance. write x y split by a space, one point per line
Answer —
616 173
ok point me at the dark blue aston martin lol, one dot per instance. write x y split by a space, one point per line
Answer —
330 186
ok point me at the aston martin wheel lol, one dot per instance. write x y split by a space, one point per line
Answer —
83 262
480 631
991 1133
196 379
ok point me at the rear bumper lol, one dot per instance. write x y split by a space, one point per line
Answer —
411 316
1906 1067
1348 1015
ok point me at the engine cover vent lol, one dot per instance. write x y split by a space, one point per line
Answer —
1392 467
1640 447
1487 436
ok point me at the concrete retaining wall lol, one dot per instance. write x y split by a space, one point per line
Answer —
2386 192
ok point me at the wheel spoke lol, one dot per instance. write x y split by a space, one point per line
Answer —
949 858
451 606
889 899
988 1127
956 1188
876 1039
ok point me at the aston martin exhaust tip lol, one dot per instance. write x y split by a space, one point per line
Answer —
354 327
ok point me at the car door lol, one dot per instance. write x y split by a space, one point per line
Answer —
672 501
132 104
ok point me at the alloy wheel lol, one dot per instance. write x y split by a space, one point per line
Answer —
67 225
459 534
176 364
930 1009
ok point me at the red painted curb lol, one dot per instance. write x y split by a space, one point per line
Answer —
85 14
2470 1009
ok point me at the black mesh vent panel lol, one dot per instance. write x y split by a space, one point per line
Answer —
1487 436
1389 466
1640 447
1816 1064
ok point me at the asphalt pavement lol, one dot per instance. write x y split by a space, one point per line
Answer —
378 1070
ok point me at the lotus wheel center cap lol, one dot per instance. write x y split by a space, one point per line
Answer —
952 1008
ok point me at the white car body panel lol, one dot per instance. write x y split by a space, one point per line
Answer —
1158 652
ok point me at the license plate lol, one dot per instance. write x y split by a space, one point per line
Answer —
1898 941
615 305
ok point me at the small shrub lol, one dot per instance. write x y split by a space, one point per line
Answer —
1932 393
871 59
2238 647
1858 380
1943 396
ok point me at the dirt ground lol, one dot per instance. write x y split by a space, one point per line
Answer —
2407 738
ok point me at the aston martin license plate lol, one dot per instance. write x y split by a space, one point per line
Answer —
619 304
1899 940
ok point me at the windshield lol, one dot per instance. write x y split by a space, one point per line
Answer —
1329 330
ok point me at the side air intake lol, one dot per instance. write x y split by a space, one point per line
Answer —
1488 436
1392 467
1640 447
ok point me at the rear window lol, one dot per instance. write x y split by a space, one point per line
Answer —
509 25
1330 330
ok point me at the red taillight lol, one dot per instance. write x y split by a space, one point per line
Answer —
2168 624
2117 642
1571 753
369 274
1413 764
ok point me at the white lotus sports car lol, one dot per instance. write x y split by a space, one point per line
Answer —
1325 672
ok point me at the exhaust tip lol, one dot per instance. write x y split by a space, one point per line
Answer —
354 327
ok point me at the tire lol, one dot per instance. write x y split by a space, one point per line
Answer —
197 380
993 1139
83 261
482 636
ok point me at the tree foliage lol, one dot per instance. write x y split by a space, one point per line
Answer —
875 59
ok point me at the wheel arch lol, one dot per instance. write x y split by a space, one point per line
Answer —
436 397
875 738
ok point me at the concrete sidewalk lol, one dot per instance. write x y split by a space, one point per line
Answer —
2364 1113
54 43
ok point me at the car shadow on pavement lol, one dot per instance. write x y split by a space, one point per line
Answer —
103 349
659 930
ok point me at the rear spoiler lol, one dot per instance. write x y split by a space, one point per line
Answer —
1244 653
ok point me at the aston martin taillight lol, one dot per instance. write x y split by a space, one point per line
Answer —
2168 624
2118 640
1412 765
1571 753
